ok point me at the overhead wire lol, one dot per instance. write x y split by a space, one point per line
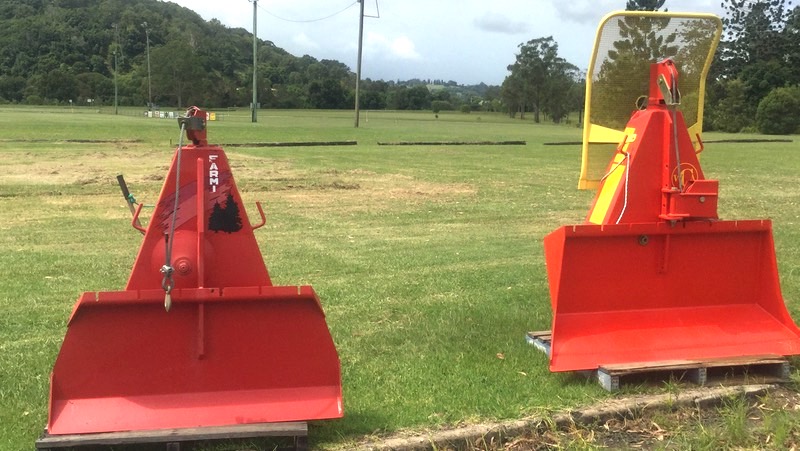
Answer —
309 20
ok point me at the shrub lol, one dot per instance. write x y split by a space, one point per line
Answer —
34 99
731 114
779 112
441 105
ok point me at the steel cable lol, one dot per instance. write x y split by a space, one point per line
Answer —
168 283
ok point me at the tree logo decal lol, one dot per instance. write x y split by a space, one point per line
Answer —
225 219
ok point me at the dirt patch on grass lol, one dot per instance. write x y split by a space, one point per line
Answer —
80 141
144 169
349 191
377 192
78 166
729 421
752 417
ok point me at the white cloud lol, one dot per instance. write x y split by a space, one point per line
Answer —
303 41
500 23
462 40
403 47
400 47
586 11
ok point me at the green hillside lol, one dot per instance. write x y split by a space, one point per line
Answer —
54 51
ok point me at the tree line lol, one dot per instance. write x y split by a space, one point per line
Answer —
93 51
755 78
753 84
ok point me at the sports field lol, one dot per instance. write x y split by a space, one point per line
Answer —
427 258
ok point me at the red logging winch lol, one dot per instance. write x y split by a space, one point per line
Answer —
653 275
200 336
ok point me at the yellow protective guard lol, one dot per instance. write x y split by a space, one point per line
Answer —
627 42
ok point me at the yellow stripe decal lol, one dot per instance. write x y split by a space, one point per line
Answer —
608 189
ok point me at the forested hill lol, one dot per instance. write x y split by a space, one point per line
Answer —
54 51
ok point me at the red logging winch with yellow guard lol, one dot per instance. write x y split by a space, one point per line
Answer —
653 275
199 337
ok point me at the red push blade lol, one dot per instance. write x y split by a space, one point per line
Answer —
654 292
262 354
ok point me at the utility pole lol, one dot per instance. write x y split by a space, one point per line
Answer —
116 48
149 86
255 63
358 63
116 91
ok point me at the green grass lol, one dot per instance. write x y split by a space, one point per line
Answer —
428 259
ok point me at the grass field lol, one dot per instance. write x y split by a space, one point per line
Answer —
428 259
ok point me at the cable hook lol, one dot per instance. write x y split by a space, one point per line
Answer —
167 283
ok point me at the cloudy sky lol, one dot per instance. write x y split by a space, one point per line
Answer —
468 41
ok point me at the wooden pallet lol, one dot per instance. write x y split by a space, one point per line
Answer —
761 369
541 340
172 438
737 370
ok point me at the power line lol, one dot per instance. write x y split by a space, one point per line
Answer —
308 20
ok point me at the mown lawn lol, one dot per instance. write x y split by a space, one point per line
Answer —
428 259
